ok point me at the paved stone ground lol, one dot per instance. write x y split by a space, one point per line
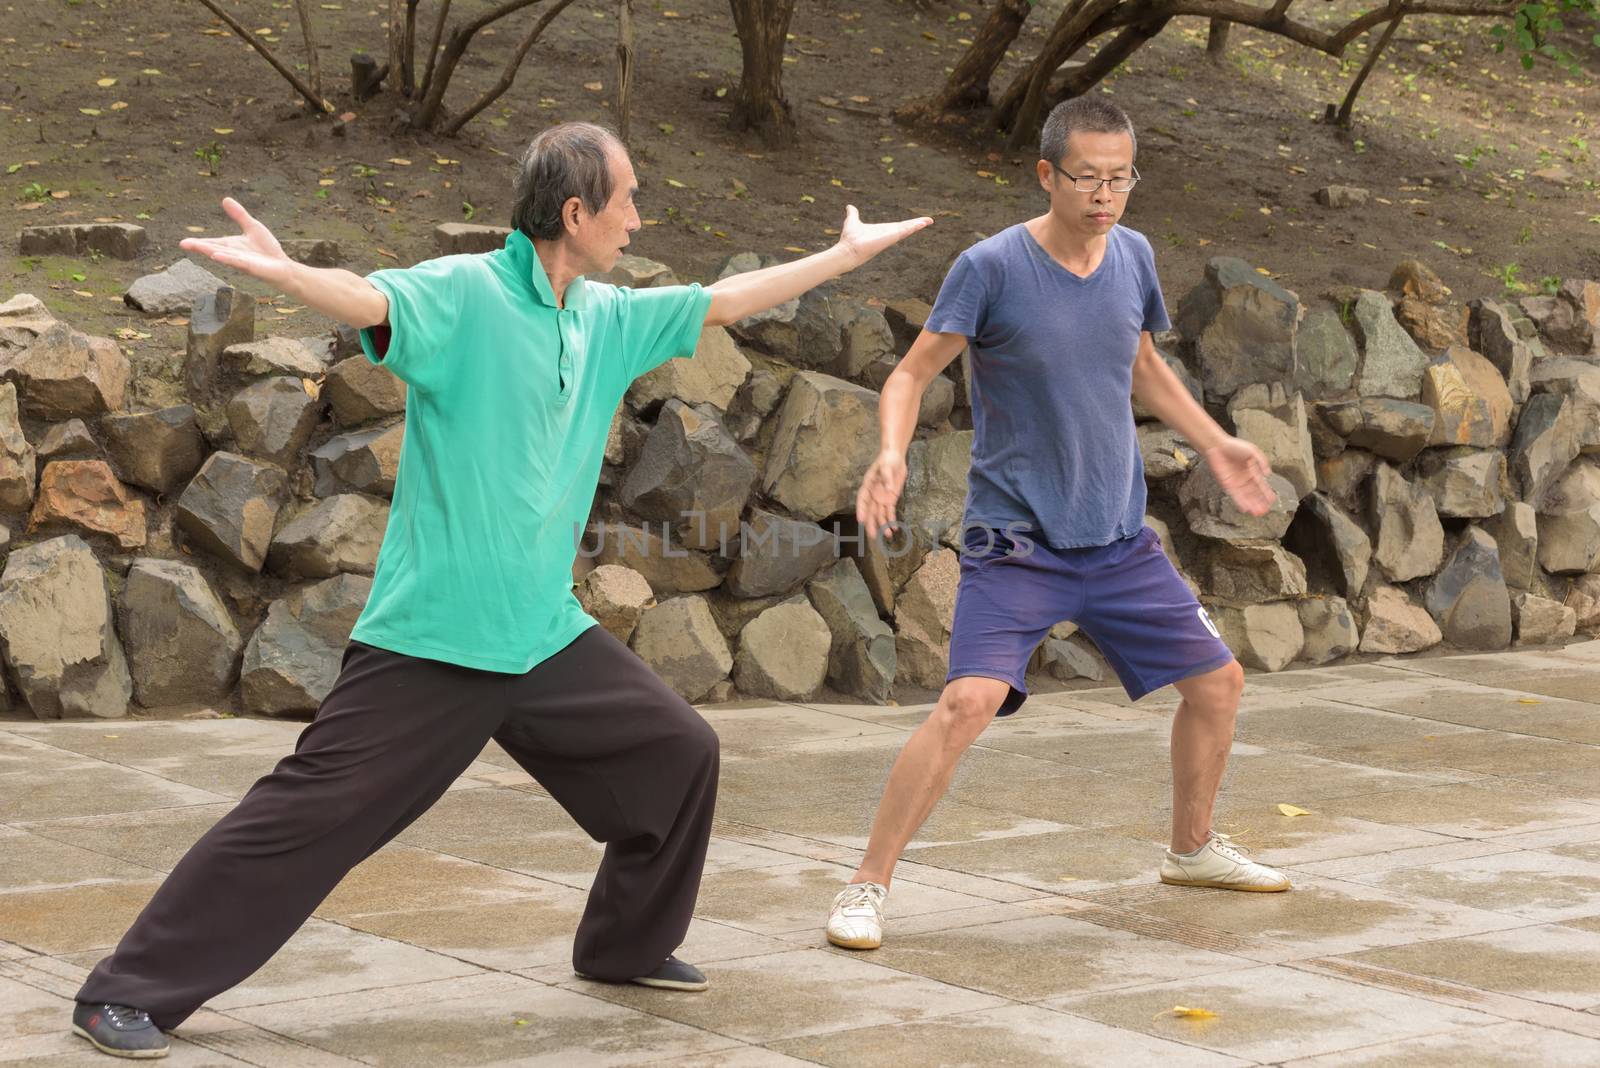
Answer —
1446 910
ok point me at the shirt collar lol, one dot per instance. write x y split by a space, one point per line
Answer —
520 249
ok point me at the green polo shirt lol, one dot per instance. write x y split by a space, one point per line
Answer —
509 403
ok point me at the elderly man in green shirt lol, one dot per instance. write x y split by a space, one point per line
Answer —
515 365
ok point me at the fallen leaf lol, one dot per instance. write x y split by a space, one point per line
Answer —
1177 454
106 83
674 183
223 130
150 70
325 181
312 388
195 229
89 111
1293 810
82 293
1529 701
794 248
808 198
119 105
78 276
60 194
861 100
386 252
594 87
1185 1012
398 162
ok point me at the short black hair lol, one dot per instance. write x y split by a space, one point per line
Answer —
1082 114
568 160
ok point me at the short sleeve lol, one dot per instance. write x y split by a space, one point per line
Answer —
963 301
660 324
425 307
1155 305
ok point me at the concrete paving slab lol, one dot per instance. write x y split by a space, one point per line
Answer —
157 838
1538 886
1548 963
72 919
37 863
1508 1045
1055 862
1472 810
1271 1014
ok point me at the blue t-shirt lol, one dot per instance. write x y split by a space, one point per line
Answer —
1053 446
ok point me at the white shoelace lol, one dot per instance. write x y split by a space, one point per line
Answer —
858 896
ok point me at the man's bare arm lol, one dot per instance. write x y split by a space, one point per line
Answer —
338 294
898 406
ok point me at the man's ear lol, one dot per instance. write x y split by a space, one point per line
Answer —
1046 172
572 214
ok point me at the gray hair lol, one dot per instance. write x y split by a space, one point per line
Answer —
568 160
1082 114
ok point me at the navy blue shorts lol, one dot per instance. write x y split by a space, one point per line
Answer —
1126 597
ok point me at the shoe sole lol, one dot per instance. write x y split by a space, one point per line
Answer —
1211 884
856 943
132 1054
656 984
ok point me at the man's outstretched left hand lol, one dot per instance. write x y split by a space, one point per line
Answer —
1242 470
865 240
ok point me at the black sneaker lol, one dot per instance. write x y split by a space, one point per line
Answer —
673 974
119 1030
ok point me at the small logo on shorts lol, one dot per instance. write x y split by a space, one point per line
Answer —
1206 619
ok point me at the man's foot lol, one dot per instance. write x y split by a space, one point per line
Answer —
673 974
856 919
1221 864
119 1030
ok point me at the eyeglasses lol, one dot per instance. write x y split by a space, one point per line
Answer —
1088 183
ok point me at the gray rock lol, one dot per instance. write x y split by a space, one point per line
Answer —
1569 521
680 641
219 319
1410 541
1465 483
1469 599
18 463
334 535
1165 453
887 563
636 272
777 555
938 401
1391 363
1330 630
57 634
457 238
1241 327
1074 657
1396 430
1490 331
1254 572
292 660
157 450
1264 636
1342 477
1395 624
231 508
665 564
120 241
362 461
1559 322
906 319
1342 196
934 498
922 616
773 331
360 391
693 476
1327 355
826 438
65 374
271 356
273 419
1579 382
1546 442
1470 402
733 613
22 319
1584 599
313 251
1275 422
1212 514
172 291
1539 620
181 642
1516 534
864 337
783 653
70 440
616 597
861 656
713 376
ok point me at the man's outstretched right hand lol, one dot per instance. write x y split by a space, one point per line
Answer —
880 491
254 250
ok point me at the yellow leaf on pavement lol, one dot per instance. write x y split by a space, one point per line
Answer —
398 162
106 83
1186 1012
1292 810
674 183
1529 701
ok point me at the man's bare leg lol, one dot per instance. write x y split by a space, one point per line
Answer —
1202 735
922 771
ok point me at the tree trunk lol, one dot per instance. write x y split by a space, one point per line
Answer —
426 114
433 46
508 73
624 65
1217 40
1024 100
758 103
968 84
307 30
1346 108
408 79
397 43
1119 48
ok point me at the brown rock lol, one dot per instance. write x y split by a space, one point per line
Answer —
922 617
1470 402
360 391
86 495
1396 625
616 597
65 374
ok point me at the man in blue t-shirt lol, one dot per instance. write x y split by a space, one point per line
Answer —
1059 312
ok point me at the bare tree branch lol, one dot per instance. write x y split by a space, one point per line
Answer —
266 53
433 101
1373 54
313 66
433 46
509 74
624 65
409 69
968 83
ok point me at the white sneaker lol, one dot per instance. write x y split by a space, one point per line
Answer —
856 919
1222 865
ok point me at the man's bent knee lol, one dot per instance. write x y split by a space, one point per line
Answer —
966 707
1216 691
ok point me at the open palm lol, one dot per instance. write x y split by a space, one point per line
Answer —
254 250
866 240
